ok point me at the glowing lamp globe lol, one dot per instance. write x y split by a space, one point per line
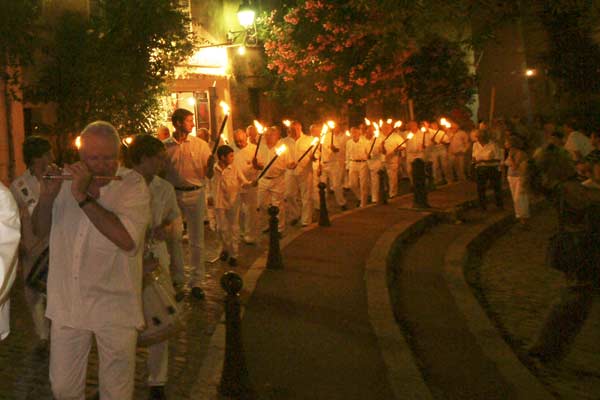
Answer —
246 15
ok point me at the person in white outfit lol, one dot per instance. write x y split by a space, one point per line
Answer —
516 175
438 153
357 150
391 153
226 186
97 229
242 159
37 154
189 162
299 185
10 234
374 161
271 187
457 150
332 163
146 156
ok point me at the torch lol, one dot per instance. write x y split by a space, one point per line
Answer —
260 130
312 144
375 136
331 125
321 136
446 125
225 108
278 151
408 137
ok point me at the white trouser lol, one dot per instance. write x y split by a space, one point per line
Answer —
249 213
520 196
457 165
175 249
334 172
374 167
228 227
439 159
192 205
69 350
358 175
271 192
391 168
298 196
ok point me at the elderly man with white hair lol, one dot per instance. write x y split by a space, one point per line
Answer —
97 221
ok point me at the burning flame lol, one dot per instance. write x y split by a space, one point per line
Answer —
324 129
444 122
331 124
314 141
423 129
410 135
78 142
348 133
259 128
125 141
367 122
380 122
225 107
224 138
398 124
389 121
287 122
280 150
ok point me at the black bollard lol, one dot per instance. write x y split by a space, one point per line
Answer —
419 184
430 184
384 187
274 260
234 379
323 214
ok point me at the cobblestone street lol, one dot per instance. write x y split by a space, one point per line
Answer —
519 289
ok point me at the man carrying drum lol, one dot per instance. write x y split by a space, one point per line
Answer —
147 157
97 220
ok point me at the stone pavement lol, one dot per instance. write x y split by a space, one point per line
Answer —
519 289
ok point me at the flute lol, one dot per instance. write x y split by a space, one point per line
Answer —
70 177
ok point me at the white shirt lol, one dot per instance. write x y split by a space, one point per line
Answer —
459 142
391 144
578 142
164 209
301 145
266 154
91 282
186 161
416 145
357 152
226 184
242 159
488 152
10 233
339 141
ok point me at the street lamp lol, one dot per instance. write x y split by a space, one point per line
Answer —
246 15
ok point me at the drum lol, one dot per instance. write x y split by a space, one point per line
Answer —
162 315
38 276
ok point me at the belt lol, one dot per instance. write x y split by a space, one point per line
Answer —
358 160
187 188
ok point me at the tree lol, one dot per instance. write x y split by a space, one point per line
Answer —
113 65
17 25
328 53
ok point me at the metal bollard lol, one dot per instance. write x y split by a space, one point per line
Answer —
419 184
274 260
384 188
323 214
234 379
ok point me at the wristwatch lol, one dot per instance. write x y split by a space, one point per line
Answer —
88 199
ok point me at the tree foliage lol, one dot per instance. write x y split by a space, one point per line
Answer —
113 65
336 52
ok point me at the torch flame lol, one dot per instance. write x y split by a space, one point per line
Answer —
314 141
125 141
225 107
398 124
259 128
331 124
348 133
423 129
287 122
324 129
389 121
410 135
224 138
380 122
280 150
78 142
367 122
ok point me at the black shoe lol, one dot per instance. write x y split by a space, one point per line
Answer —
224 256
198 293
233 262
157 393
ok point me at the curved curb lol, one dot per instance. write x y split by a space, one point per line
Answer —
403 374
524 383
